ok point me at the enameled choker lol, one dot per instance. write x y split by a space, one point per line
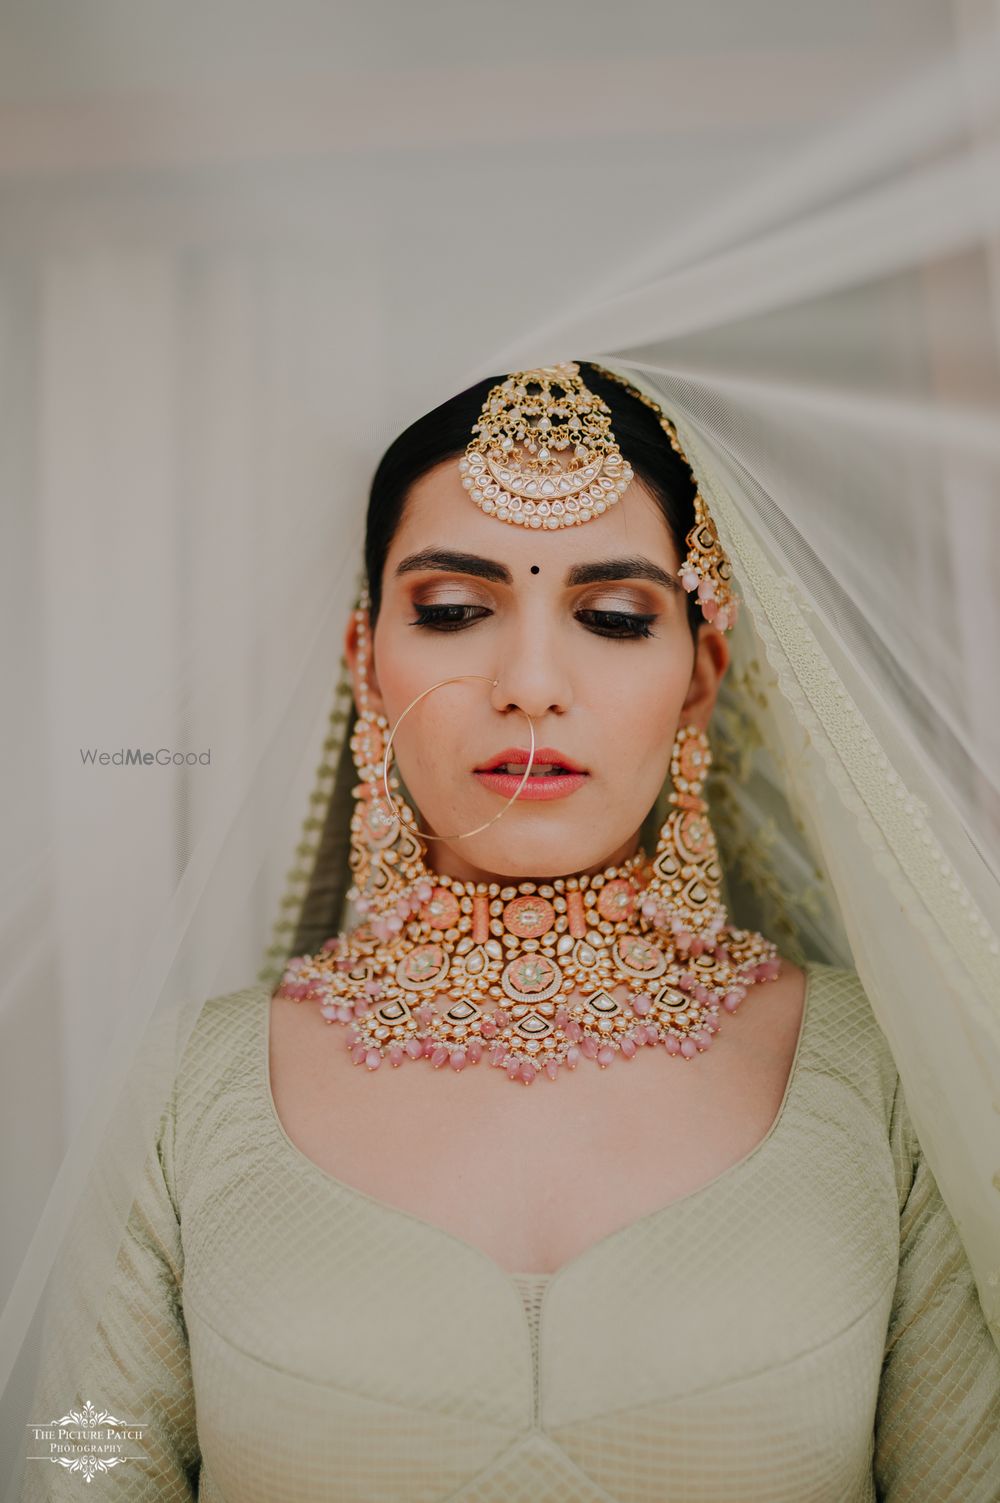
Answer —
524 975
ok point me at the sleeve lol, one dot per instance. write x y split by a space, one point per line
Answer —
139 1369
937 1425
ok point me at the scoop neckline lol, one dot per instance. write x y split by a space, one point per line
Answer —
514 1278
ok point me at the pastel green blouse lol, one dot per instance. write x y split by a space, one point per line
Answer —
802 1329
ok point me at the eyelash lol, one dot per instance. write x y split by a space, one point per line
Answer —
435 617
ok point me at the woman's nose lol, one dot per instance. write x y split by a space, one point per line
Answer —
532 673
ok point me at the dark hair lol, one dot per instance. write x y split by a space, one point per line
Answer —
444 432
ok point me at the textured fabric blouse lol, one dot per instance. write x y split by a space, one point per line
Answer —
802 1329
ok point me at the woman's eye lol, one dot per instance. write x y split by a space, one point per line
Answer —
445 617
617 623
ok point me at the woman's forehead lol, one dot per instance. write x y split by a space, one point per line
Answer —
439 513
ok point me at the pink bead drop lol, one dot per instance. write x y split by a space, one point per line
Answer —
331 1012
439 1057
701 1038
689 580
722 619
373 1059
488 1028
589 1046
672 1044
429 1045
703 994
424 1013
731 1001
706 589
642 1004
372 987
458 1059
573 1056
414 1048
605 1056
687 982
689 1048
551 1068
710 1026
527 1072
573 1031
561 1017
396 1054
358 1052
512 1066
475 1050
628 1048
682 941
497 1055
393 923
697 945
345 1013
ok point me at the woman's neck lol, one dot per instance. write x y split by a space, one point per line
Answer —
441 859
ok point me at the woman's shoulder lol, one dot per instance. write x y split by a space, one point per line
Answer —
223 1038
846 1040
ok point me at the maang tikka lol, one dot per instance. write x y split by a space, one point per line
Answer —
524 974
543 455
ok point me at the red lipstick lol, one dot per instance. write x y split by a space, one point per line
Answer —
553 773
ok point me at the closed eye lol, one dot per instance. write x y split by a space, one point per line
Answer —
619 623
447 617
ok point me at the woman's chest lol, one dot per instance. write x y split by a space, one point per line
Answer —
534 1175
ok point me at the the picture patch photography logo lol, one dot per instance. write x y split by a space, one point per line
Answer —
88 1441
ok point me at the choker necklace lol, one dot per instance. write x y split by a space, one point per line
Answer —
523 975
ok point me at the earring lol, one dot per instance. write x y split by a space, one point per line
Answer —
684 891
381 844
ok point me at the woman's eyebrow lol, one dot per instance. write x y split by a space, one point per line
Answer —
457 563
633 566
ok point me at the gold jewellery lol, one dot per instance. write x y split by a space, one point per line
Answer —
513 470
530 977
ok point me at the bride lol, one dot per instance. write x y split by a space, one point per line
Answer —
704 1256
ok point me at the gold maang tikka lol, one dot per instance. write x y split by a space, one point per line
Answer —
543 456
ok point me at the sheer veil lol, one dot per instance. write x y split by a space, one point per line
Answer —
228 279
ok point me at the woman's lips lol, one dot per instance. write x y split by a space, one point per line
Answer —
550 785
541 785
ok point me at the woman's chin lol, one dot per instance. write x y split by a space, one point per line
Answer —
522 859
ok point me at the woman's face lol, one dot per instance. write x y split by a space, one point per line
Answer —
584 627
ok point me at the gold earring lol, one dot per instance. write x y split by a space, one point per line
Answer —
685 889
